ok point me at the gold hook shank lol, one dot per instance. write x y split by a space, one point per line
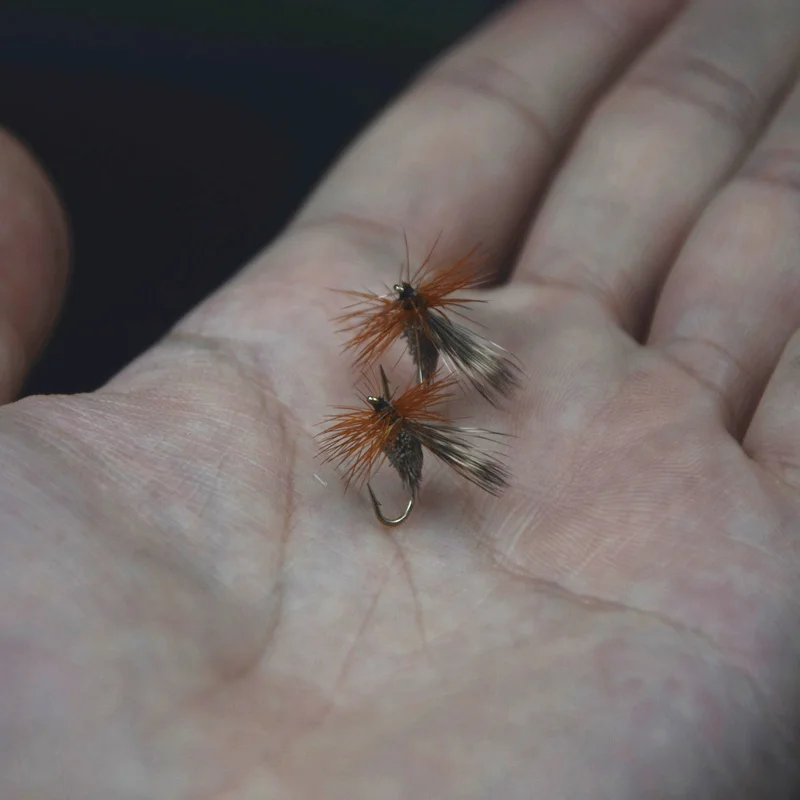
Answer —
385 520
420 377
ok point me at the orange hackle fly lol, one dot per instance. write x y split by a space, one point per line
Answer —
418 309
359 439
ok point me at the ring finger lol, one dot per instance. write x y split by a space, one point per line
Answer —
732 300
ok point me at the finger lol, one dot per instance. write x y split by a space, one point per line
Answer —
657 147
773 438
466 148
34 249
733 298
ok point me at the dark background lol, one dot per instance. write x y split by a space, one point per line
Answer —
182 135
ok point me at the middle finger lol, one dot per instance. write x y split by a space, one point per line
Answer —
657 147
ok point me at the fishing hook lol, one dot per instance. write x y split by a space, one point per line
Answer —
385 520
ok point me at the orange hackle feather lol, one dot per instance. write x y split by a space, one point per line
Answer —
358 438
380 320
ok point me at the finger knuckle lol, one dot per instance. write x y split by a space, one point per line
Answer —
703 85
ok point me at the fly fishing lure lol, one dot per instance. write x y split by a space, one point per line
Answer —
417 309
399 429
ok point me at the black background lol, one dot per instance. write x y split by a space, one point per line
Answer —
178 156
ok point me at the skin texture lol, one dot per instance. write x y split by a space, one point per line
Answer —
186 611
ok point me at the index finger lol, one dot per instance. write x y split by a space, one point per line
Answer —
463 151
466 148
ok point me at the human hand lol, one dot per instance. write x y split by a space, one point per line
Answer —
187 612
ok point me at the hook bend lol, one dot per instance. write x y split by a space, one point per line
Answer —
385 520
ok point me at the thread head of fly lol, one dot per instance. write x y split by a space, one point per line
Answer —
407 295
379 404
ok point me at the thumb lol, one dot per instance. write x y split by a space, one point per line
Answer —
34 255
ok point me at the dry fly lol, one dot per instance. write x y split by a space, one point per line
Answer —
399 429
418 309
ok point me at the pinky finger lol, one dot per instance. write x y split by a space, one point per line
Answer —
773 438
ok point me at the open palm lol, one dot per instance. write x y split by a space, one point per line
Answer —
190 607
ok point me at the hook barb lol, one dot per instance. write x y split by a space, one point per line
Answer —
385 520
